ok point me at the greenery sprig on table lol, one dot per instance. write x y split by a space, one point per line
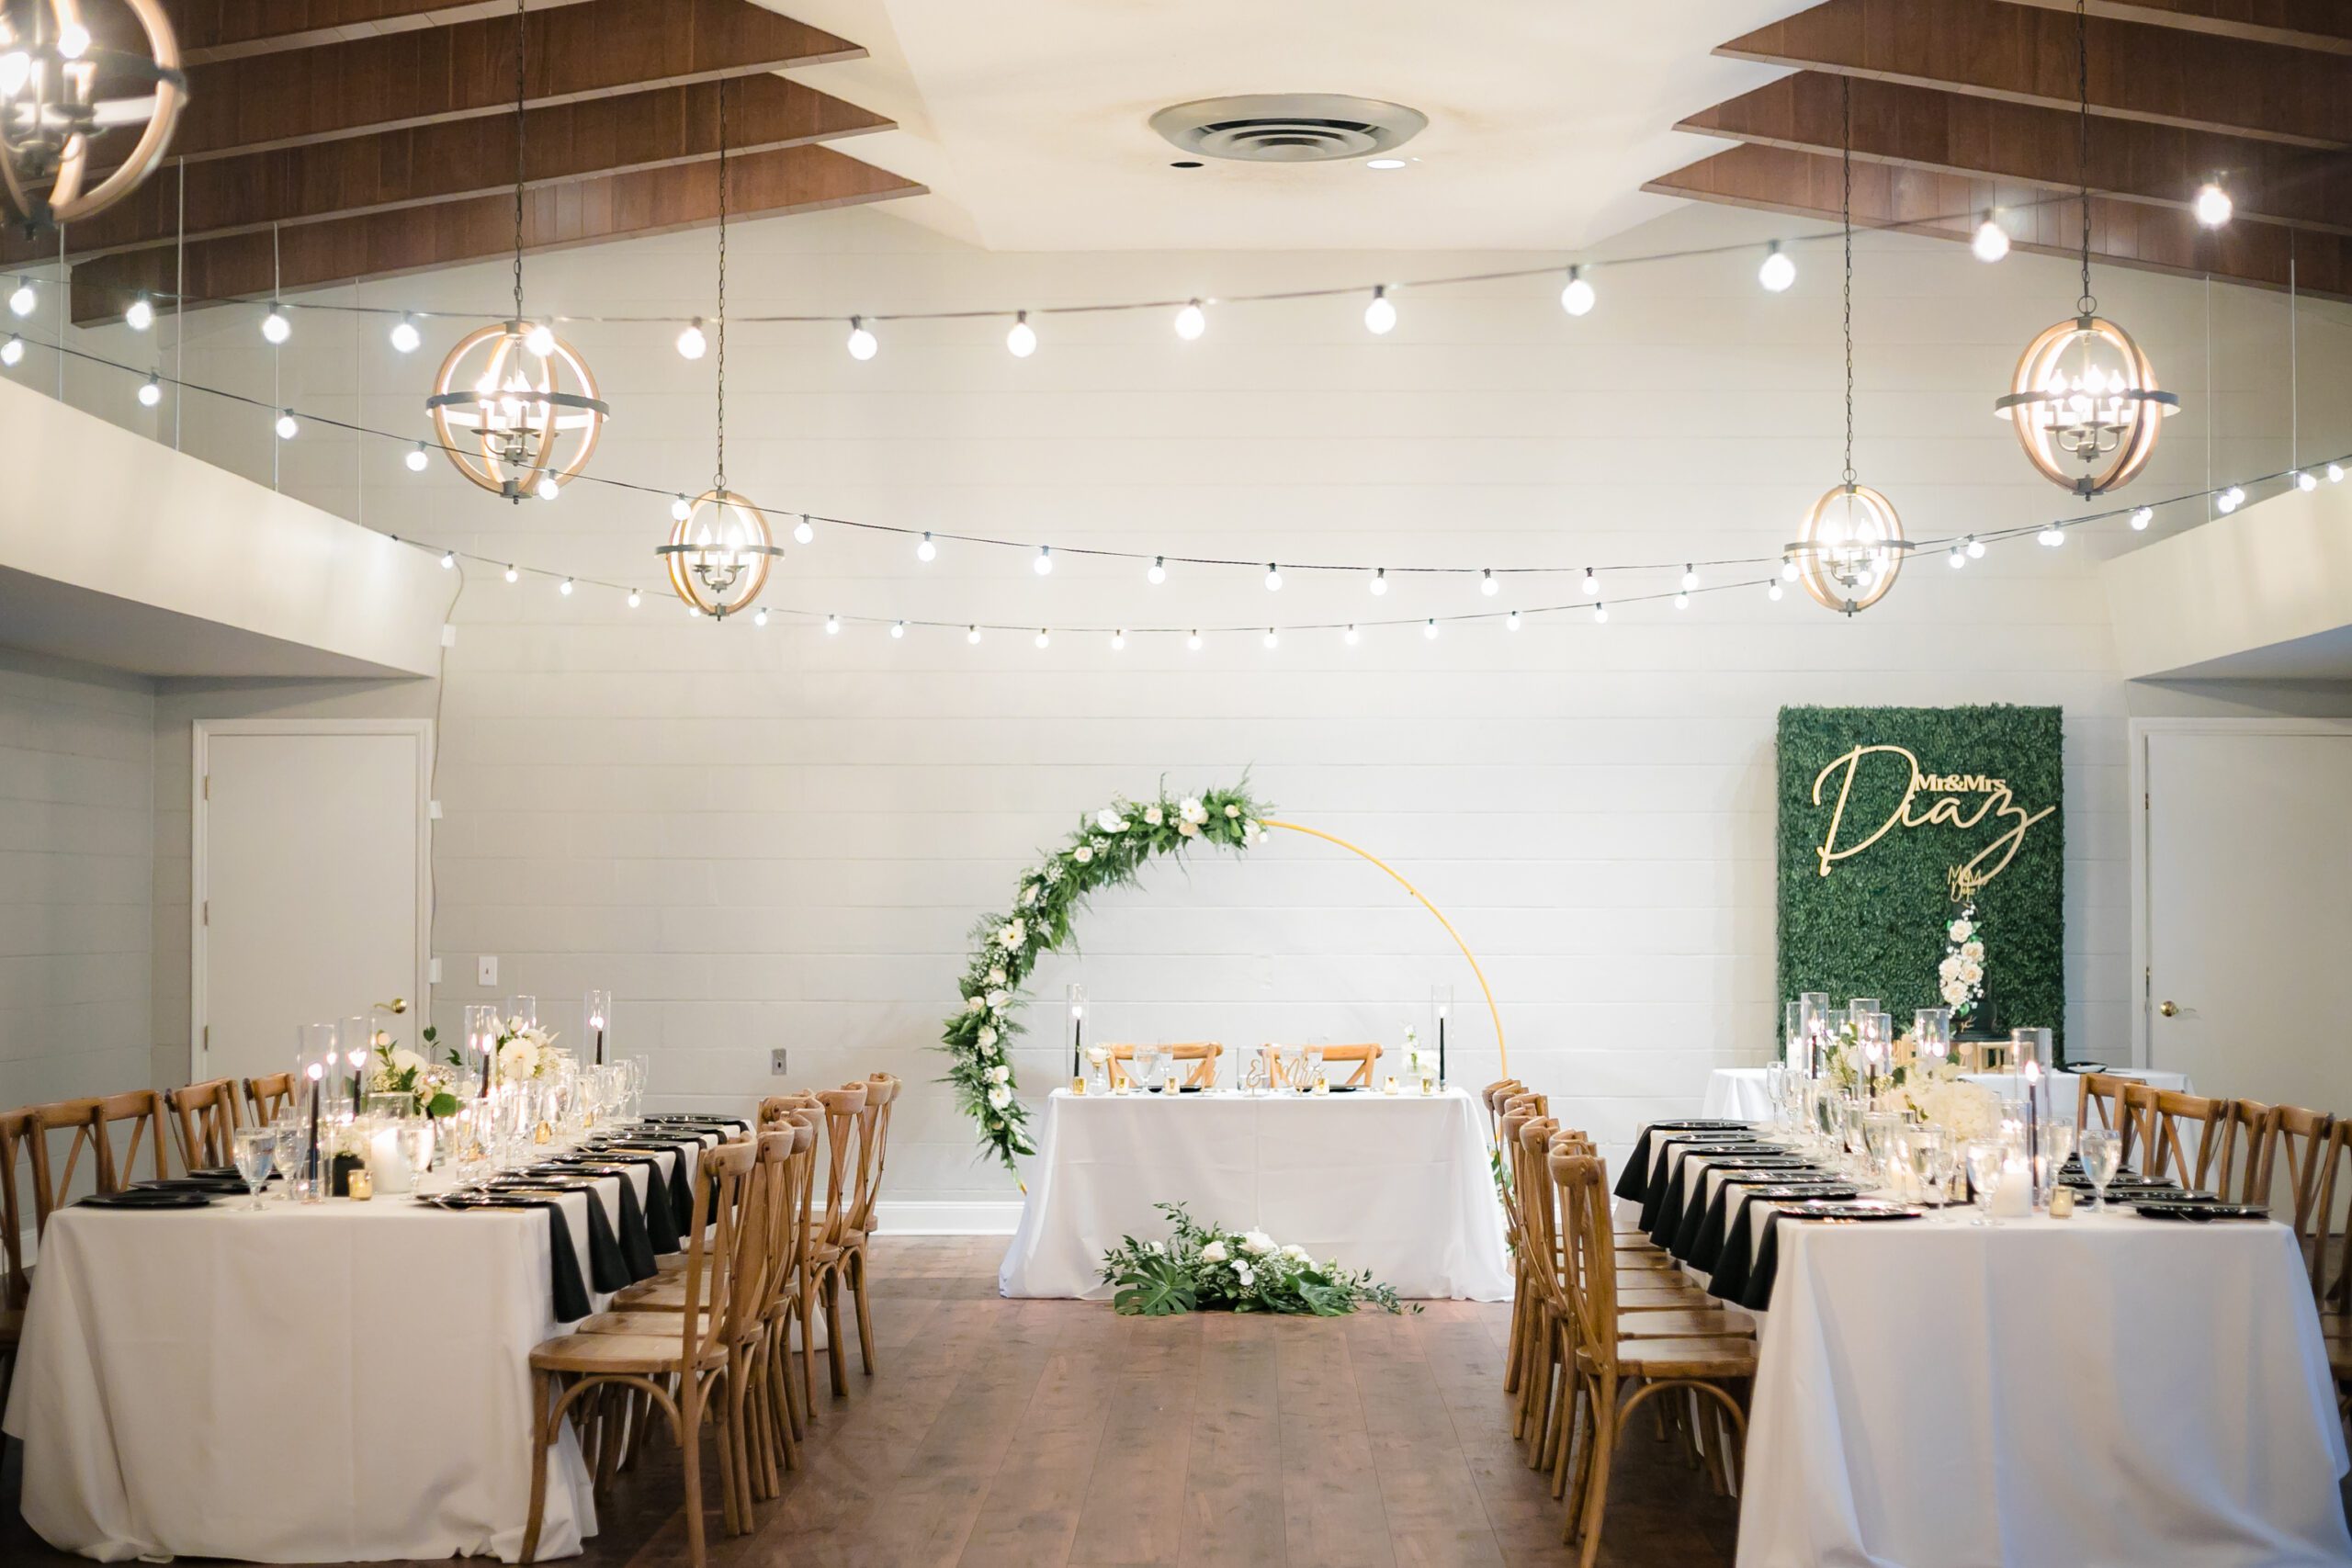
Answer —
1106 850
1205 1269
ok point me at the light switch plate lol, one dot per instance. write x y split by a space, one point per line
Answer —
486 970
433 972
449 635
433 810
776 1061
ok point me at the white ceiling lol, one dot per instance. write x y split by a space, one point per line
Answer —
1027 118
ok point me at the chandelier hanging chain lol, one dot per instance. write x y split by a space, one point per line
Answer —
720 482
1846 211
521 46
2089 304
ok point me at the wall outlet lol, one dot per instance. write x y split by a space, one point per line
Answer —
776 1061
486 970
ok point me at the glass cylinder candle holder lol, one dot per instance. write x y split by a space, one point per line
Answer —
1792 1034
482 1045
1931 1034
596 1021
1074 1026
523 1006
1440 1022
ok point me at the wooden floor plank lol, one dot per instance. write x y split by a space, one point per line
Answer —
1233 1482
1133 1515
1331 1510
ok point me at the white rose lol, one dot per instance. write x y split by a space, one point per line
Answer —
973 1004
1232 811
1948 968
405 1060
1000 1097
1243 1272
1188 828
1296 1253
1971 972
1253 832
1212 1253
1110 821
1000 1074
1963 930
1191 810
1028 895
1082 855
996 975
1011 935
1954 993
1973 950
986 1037
1153 817
1257 1243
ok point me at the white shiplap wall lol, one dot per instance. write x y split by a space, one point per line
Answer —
76 783
768 838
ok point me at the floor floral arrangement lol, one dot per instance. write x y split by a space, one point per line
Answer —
1208 1268
1107 849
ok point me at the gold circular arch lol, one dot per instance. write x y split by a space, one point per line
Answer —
1472 959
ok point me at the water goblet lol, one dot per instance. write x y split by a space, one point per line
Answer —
1987 1162
256 1148
2102 1153
1776 1075
289 1152
1882 1138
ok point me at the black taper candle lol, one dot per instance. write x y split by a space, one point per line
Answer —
311 1160
600 1044
1078 1046
1441 1046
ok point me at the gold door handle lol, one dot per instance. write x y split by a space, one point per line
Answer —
2168 1009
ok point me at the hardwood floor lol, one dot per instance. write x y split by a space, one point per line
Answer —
1026 1434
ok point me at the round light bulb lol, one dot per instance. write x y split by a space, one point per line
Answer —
564 588
2212 205
2227 501
1576 299
2141 516
760 617
1118 640
1273 578
1778 271
1772 591
681 509
1690 577
1959 558
405 337
1975 547
691 344
1487 583
926 551
804 532
1193 641
635 598
540 340
1992 241
972 635
1429 628
1272 640
1788 568
1379 581
286 426
417 458
1156 572
548 488
862 342
1381 314
1022 341
1511 621
275 326
1601 614
1591 584
141 315
23 300
2336 473
1352 637
449 561
512 575
1044 641
1192 321
1683 601
12 352
1043 565
2305 480
897 628
151 392
2051 536
832 625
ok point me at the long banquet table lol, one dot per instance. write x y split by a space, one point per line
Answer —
1739 1091
330 1382
2099 1390
1397 1184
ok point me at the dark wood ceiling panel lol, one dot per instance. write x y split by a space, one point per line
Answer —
1924 201
2027 145
2025 54
229 30
455 159
578 212
2324 24
426 76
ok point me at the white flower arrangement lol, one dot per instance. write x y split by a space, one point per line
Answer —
1109 847
431 1088
1204 1267
1943 1099
1959 978
523 1052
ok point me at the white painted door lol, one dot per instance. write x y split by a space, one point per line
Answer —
2249 912
310 884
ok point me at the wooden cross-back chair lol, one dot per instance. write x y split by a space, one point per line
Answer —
873 1147
69 1144
270 1095
679 1369
821 1274
2293 1160
2098 1104
1620 1373
777 1391
2330 1258
2177 1134
2238 1166
204 1116
1197 1057
16 1283
1364 1057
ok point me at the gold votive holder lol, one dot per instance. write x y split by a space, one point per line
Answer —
1077 1086
359 1185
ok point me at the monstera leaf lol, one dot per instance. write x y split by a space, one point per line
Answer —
1155 1286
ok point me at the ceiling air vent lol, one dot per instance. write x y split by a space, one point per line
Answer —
1288 127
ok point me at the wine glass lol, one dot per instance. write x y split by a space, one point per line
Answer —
2102 1153
256 1147
1930 1153
1987 1162
1776 1090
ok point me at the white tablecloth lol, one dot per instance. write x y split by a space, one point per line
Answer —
1739 1091
2106 1391
186 1385
1396 1184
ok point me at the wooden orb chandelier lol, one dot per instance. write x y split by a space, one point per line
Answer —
719 554
1851 548
517 410
2086 405
61 89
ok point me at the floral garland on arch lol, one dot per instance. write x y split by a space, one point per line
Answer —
1107 850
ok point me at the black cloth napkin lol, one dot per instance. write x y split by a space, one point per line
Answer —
654 1223
1633 1180
570 1294
606 1267
1699 1217
682 1190
1662 1209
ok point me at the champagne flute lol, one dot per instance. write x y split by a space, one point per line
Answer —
2102 1154
256 1146
290 1152
1987 1162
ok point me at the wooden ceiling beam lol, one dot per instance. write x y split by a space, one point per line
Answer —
2322 25
2025 55
453 160
1946 206
2024 145
433 75
582 213
231 29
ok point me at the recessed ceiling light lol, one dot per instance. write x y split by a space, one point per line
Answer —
1385 163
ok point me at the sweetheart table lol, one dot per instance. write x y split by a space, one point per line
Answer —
1398 1184
330 1382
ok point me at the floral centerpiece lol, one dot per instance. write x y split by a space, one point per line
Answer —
1106 850
1205 1268
431 1088
1959 978
1943 1097
524 1051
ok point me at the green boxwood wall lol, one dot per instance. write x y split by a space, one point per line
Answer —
1875 926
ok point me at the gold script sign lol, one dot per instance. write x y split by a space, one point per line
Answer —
1948 808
